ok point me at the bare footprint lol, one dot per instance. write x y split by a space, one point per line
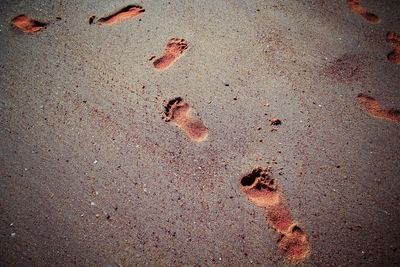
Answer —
294 245
26 24
173 51
261 189
178 111
394 56
356 8
126 13
372 106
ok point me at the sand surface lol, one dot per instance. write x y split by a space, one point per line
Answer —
91 174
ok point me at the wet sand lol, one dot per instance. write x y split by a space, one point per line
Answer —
93 175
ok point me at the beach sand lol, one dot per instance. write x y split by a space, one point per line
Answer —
93 175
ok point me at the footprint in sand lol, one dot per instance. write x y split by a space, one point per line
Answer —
357 8
26 24
394 56
126 13
372 106
294 244
178 111
173 51
261 189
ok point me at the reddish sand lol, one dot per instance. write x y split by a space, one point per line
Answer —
27 25
173 51
178 111
373 107
279 218
126 13
356 8
294 245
